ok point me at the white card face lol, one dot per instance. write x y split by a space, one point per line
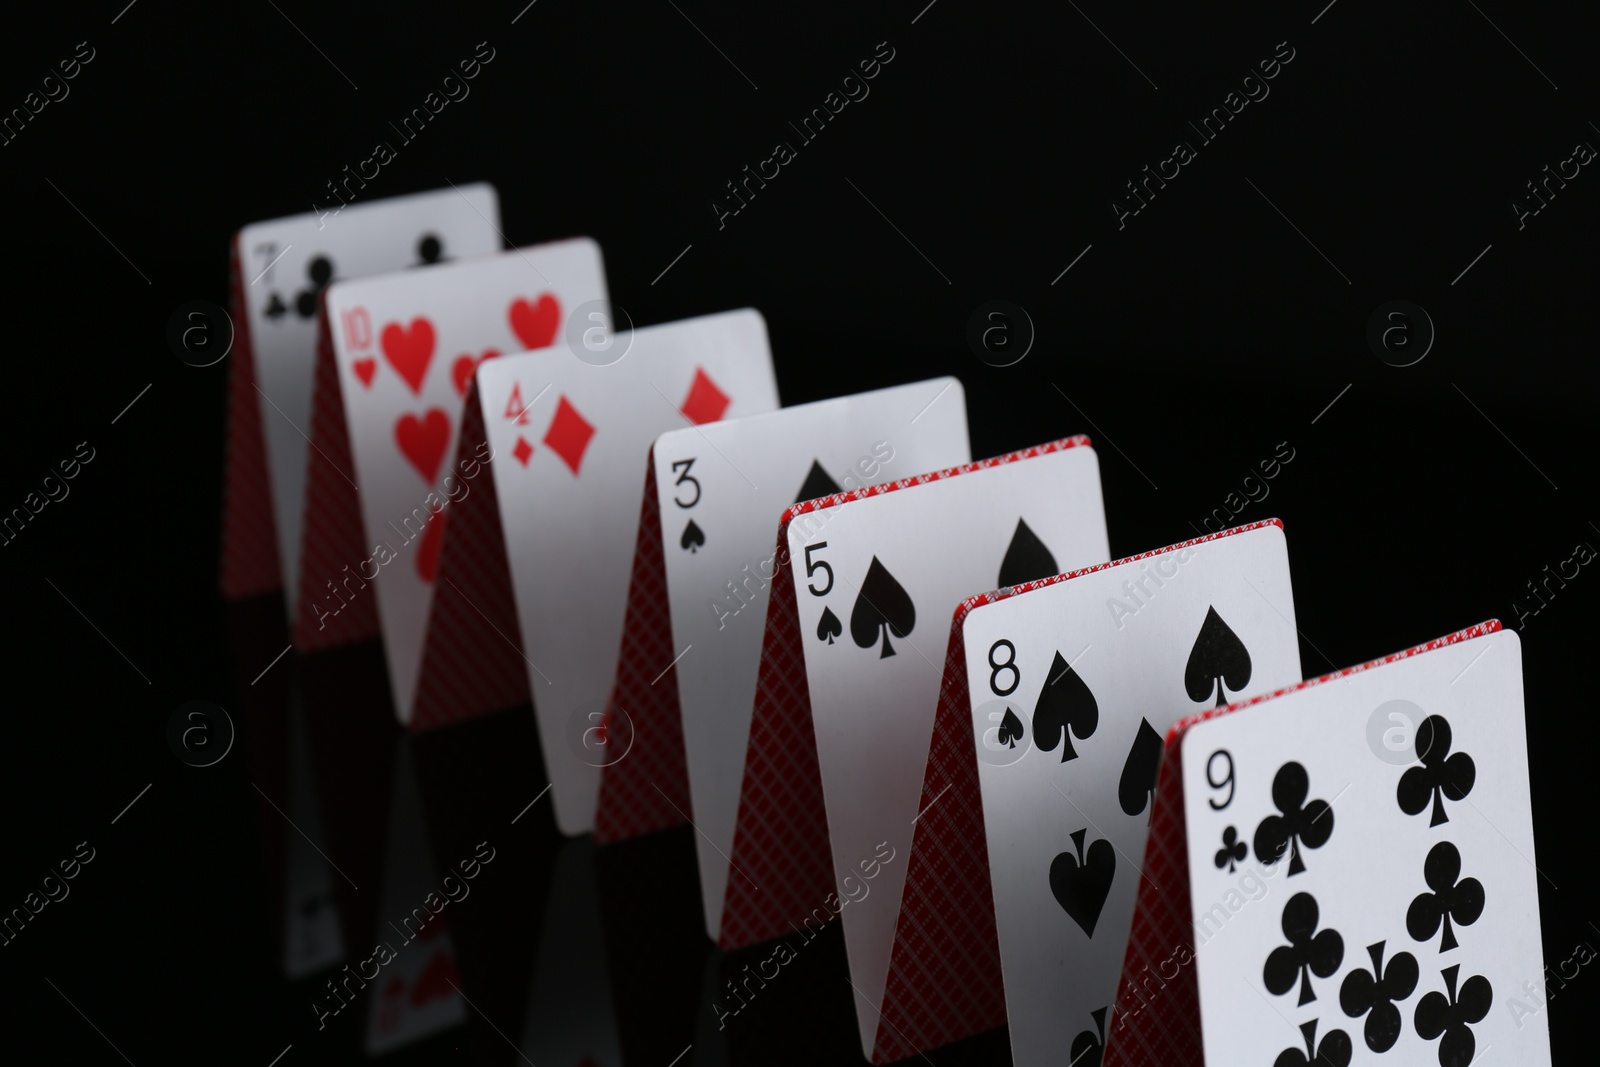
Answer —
722 489
407 345
877 581
1426 864
1093 672
286 262
570 441
413 995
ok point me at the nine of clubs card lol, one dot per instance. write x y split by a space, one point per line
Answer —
1362 871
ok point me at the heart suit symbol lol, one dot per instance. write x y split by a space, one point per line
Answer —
423 441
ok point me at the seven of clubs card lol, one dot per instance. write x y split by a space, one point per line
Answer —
286 263
407 346
570 440
877 580
721 491
1073 686
1361 868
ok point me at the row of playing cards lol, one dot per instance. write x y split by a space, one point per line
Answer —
1097 802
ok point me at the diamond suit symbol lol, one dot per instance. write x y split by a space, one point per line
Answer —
705 402
569 434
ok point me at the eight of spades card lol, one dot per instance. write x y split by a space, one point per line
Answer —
725 486
406 346
1390 807
891 567
570 439
1073 685
286 263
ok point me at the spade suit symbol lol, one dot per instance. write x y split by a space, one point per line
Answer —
1010 731
1088 1047
1139 770
817 484
1081 884
1065 701
1218 662
883 607
1026 558
829 626
693 537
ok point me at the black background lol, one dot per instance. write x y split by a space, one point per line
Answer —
1190 343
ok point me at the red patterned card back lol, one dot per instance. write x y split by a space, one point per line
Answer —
334 605
472 659
944 970
249 538
648 789
781 867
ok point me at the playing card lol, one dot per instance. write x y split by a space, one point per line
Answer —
718 493
1071 686
1361 865
413 993
282 266
570 439
877 578
570 1015
405 348
313 938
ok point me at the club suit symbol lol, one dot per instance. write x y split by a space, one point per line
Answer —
1233 851
1441 777
1335 1050
1448 1018
1309 952
1373 993
1298 824
1461 901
